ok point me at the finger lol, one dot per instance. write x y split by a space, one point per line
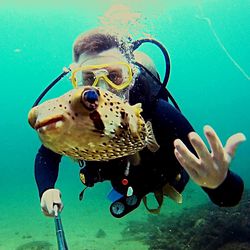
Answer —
191 171
187 157
233 142
199 146
214 142
57 201
179 158
45 212
59 206
50 208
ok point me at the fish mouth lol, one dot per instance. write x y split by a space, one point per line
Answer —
49 121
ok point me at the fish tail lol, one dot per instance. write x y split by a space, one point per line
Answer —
135 159
152 144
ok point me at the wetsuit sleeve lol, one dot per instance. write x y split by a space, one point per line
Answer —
175 125
46 169
169 124
229 193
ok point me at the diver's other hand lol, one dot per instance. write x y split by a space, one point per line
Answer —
50 198
209 169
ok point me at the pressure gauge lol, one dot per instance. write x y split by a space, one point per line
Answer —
117 209
131 200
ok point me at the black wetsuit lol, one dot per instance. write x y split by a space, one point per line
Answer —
155 169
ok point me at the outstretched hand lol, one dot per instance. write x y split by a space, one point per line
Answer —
209 168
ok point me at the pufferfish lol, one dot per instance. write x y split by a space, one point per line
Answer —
92 124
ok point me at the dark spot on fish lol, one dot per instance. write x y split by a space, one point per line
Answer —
65 107
104 143
105 104
111 103
106 116
111 109
73 118
122 114
84 151
60 105
69 102
108 99
123 126
97 131
98 92
76 114
96 118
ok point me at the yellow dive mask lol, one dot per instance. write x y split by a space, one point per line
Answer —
117 75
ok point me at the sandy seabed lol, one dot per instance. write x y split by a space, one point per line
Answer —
88 225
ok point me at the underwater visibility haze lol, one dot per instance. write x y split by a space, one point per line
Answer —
208 44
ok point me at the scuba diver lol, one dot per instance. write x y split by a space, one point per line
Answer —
182 153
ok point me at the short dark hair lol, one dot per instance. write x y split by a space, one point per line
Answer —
97 41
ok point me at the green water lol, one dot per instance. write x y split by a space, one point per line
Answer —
36 42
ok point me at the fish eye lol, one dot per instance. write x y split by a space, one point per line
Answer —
90 99
90 96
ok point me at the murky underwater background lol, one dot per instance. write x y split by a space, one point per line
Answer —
208 43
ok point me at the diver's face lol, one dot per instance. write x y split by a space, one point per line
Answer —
112 57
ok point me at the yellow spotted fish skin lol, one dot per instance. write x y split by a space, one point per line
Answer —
89 123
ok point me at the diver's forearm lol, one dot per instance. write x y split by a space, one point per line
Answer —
229 193
46 169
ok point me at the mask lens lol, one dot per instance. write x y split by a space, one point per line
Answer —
118 75
88 77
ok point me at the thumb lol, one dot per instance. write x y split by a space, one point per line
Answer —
233 142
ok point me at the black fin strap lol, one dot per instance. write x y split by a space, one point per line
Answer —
82 193
159 198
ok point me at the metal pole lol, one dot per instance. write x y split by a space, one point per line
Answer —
61 240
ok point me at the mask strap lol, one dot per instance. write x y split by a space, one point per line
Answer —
53 83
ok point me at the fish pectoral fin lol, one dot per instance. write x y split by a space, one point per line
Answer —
152 144
137 108
172 193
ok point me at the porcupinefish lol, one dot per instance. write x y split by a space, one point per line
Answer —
93 124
